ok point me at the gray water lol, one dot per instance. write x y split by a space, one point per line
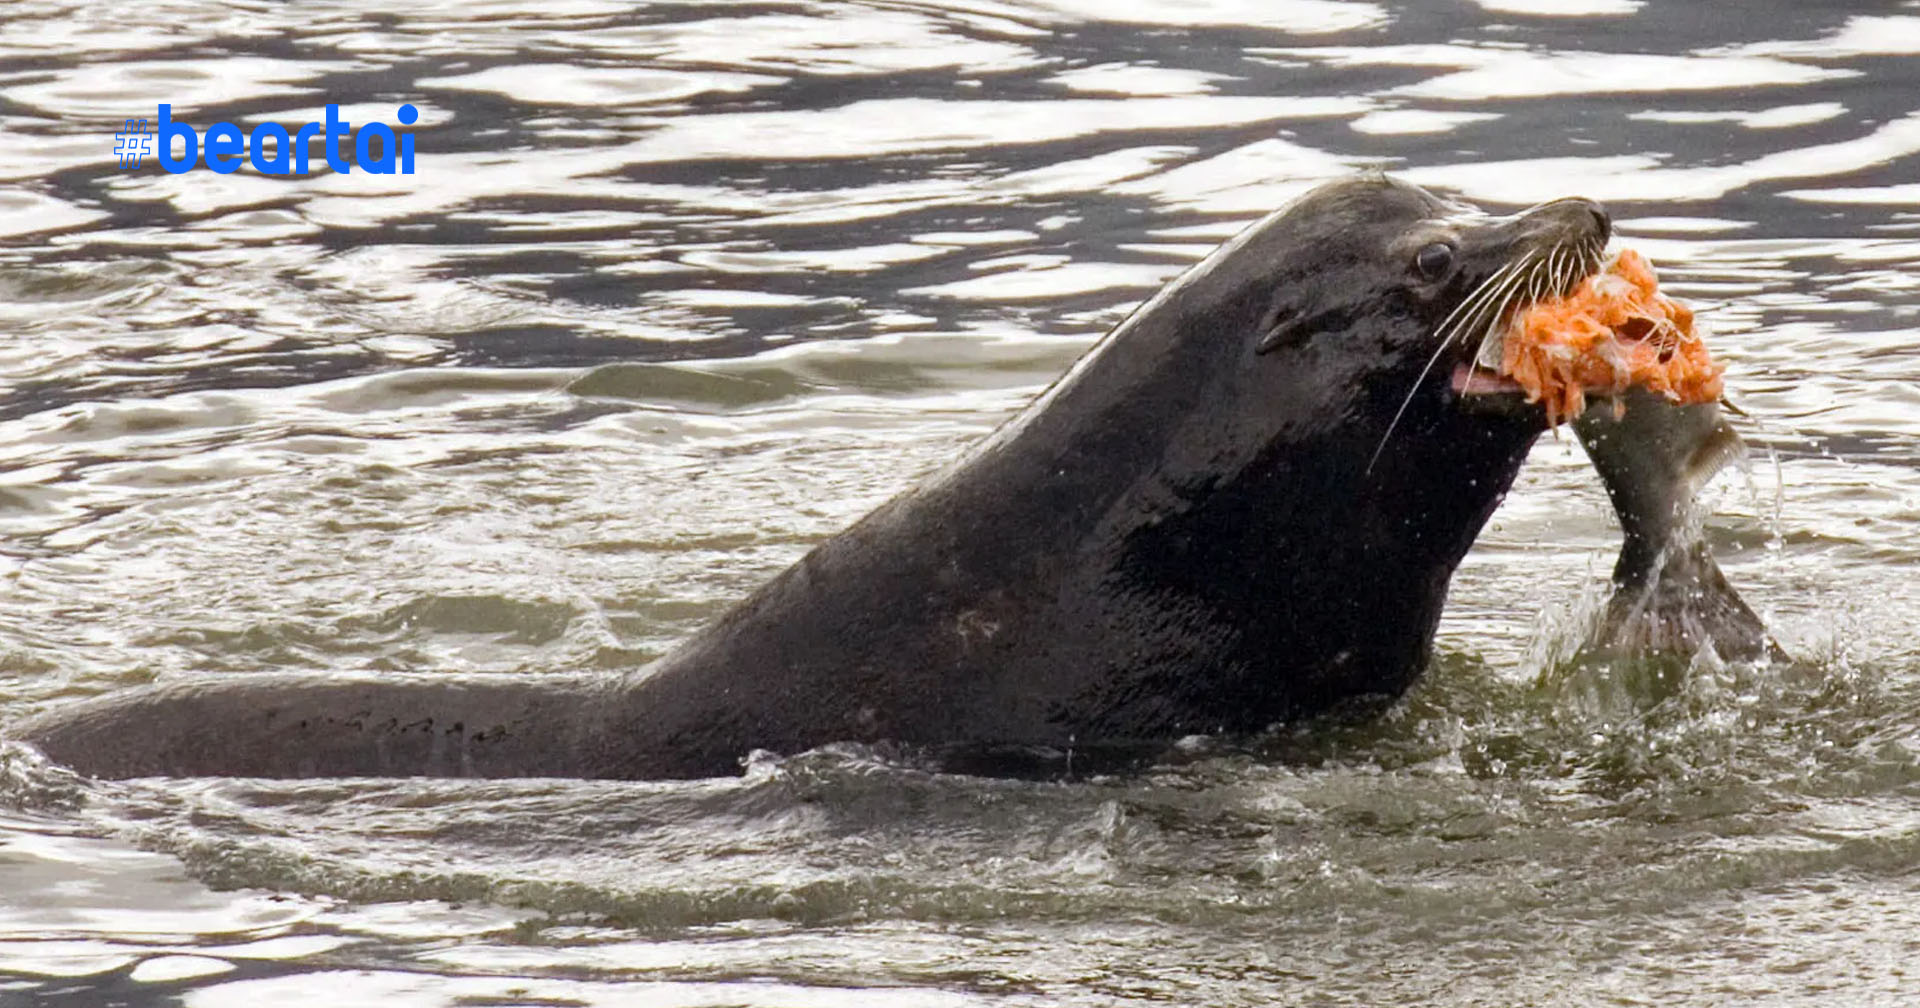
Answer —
677 291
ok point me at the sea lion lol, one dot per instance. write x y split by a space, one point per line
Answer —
1243 505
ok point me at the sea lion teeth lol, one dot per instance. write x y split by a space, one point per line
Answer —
1489 353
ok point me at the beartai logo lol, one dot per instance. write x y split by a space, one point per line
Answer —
225 146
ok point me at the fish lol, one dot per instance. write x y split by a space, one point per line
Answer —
1669 595
1620 361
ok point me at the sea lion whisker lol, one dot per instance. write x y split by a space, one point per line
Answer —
1554 274
1455 332
1491 313
1469 303
1580 264
1484 304
1572 270
1478 293
1487 290
1466 387
1529 290
1476 307
1499 315
1549 276
1488 317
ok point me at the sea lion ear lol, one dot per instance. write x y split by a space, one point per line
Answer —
1280 327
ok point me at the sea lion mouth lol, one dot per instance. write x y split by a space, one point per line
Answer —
1617 330
1478 382
1478 327
1543 253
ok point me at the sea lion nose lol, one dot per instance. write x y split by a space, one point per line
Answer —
1601 219
1572 219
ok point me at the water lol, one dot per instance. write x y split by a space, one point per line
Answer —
678 291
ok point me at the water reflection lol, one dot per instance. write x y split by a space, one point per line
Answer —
680 289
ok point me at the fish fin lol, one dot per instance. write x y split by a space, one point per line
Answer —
1716 450
1685 605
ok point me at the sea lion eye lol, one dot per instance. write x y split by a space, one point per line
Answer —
1433 261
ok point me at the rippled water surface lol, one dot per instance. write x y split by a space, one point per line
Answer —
680 289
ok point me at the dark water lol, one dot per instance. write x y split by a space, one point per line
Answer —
678 290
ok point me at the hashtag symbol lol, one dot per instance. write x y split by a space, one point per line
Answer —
133 143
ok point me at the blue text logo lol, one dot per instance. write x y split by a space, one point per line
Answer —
374 147
133 143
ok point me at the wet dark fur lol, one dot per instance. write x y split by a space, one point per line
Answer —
1190 532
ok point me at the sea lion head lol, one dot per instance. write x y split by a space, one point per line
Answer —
1335 328
1427 279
